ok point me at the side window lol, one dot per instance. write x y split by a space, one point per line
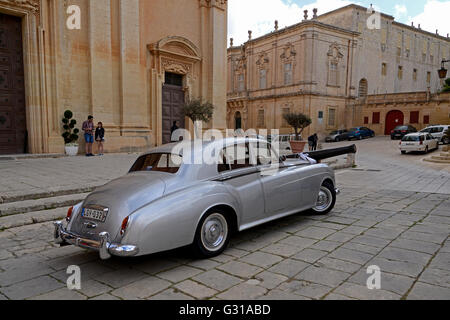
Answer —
236 157
440 129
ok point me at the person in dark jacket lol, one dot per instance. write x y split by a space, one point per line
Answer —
100 138
311 142
315 141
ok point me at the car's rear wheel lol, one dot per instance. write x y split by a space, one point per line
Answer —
337 139
212 235
326 199
360 137
403 152
426 149
446 140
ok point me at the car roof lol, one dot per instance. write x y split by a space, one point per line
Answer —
417 134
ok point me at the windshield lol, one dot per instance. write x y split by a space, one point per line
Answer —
412 138
162 162
401 128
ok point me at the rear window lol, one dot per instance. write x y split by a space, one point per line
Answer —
162 162
353 129
412 138
401 128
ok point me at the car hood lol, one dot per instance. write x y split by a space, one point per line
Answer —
122 197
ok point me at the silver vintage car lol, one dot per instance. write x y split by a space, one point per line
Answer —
198 194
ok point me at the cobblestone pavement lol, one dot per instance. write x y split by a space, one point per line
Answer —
379 220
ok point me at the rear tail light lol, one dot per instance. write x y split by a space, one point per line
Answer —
69 214
392 131
403 131
124 226
421 142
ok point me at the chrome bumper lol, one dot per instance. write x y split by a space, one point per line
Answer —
337 191
104 246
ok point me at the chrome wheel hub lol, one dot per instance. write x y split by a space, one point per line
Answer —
214 232
324 200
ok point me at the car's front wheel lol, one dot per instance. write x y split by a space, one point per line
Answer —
326 199
212 235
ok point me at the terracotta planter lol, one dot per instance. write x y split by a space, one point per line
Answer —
297 146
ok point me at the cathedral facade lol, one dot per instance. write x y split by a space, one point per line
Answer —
129 63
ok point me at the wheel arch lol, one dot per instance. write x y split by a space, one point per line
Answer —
229 210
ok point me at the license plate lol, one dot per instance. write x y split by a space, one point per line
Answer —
410 144
98 215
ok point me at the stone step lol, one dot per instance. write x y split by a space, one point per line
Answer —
436 161
15 197
13 208
440 158
23 219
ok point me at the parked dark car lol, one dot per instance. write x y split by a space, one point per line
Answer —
401 131
360 133
337 135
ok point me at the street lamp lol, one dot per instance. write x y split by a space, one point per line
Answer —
442 71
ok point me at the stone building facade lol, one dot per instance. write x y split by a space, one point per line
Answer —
131 65
329 67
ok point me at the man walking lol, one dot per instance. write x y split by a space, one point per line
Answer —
88 128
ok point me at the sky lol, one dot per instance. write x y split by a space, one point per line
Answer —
259 15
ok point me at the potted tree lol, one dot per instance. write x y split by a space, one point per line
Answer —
299 122
198 111
70 134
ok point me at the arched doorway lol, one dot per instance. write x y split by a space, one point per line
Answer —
393 118
363 88
237 121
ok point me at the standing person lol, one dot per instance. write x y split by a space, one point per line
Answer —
88 128
316 141
100 137
173 129
311 142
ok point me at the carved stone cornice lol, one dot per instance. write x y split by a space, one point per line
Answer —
220 4
28 5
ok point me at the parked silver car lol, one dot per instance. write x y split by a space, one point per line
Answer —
337 135
438 132
169 199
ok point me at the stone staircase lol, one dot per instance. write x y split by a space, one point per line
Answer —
443 157
19 212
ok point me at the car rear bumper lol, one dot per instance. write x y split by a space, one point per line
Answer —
104 246
413 148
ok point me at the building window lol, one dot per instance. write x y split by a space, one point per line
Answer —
320 116
241 83
428 77
415 74
261 121
400 72
284 123
383 69
331 117
426 119
414 117
363 88
287 74
376 118
366 120
262 78
333 74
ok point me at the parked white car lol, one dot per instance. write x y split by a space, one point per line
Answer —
283 141
418 141
438 132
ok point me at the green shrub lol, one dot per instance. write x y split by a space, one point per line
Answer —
70 133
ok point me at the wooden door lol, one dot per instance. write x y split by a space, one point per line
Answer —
12 89
172 104
393 118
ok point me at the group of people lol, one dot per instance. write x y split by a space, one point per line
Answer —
90 135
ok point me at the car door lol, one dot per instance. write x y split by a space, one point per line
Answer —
241 174
281 187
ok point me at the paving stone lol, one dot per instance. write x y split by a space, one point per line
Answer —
282 295
425 291
261 259
371 241
280 249
321 275
398 254
361 247
415 245
243 291
105 296
299 242
441 261
351 255
141 289
239 269
234 252
384 233
154 266
397 267
270 280
195 289
437 277
223 258
122 277
170 294
31 288
305 288
60 294
335 296
310 255
92 288
315 233
75 259
363 293
205 264
217 280
331 225
336 264
326 245
390 282
289 267
23 272
179 273
340 237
